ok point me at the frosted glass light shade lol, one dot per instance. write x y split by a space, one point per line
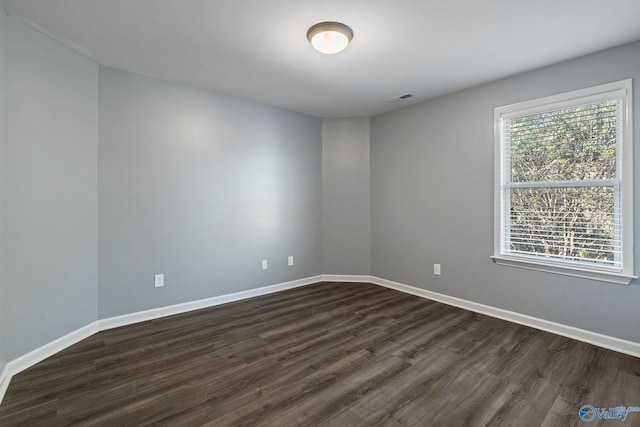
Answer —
329 37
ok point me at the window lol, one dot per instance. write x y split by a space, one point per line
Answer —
564 197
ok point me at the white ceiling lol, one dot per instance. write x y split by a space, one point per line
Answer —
257 49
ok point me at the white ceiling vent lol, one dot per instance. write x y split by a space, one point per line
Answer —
399 98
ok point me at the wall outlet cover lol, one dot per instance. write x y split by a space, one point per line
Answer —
159 280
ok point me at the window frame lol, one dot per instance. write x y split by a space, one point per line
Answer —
624 164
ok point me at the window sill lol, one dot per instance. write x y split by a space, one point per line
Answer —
583 273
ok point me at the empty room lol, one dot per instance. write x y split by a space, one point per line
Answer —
295 213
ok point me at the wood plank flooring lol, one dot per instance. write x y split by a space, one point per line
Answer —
331 354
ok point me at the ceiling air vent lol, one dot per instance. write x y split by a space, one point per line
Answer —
399 98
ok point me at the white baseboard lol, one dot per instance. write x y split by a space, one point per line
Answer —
23 362
39 354
5 379
611 343
345 278
142 316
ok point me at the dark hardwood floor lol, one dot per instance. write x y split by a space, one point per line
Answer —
331 354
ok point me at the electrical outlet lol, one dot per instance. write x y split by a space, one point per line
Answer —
436 269
264 264
290 260
159 280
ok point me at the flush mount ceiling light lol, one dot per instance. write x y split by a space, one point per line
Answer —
329 37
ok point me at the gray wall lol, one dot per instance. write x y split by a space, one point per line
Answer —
345 195
432 200
201 187
51 199
3 148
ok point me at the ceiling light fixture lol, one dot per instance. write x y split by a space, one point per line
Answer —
329 37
